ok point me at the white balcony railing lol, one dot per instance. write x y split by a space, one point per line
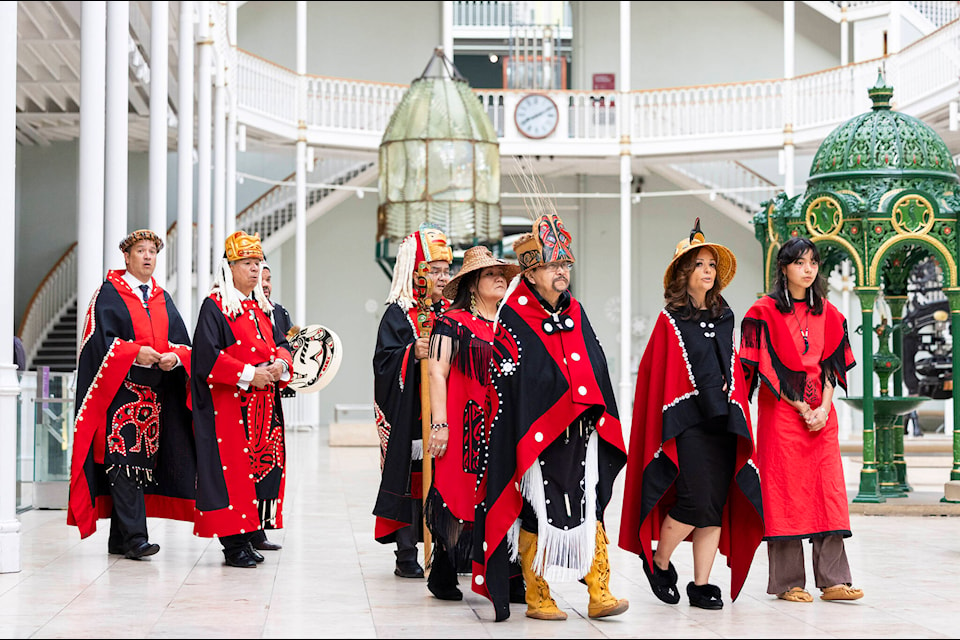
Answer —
923 75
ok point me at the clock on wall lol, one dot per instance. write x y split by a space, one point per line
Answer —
536 115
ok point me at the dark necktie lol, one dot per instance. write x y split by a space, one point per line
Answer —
145 288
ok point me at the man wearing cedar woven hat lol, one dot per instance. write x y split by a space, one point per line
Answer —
133 450
240 358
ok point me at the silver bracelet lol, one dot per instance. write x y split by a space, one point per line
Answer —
438 426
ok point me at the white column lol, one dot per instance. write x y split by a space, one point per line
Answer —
219 156
118 106
9 385
232 98
300 311
185 74
159 61
90 173
894 36
789 151
204 106
447 29
625 401
844 35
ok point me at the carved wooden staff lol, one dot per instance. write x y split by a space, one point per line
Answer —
424 288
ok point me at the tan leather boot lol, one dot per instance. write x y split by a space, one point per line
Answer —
540 605
602 602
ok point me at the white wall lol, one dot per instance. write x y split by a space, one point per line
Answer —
674 44
375 41
678 44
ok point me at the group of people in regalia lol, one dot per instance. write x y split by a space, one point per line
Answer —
494 384
180 426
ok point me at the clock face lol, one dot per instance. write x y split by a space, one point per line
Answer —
536 115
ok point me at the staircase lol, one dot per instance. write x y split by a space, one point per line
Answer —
49 328
58 349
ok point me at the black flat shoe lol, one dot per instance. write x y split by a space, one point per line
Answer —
408 570
141 550
256 555
663 582
705 596
266 545
239 558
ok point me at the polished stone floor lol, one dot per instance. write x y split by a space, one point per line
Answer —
332 579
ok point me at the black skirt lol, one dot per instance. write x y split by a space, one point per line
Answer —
707 454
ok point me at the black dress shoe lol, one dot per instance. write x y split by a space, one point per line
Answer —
408 570
239 558
255 554
266 545
141 550
705 596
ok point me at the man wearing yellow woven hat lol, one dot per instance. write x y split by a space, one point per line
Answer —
555 445
239 359
133 449
416 297
690 473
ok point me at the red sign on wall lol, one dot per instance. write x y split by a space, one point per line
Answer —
604 82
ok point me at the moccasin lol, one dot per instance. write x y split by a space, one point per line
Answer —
841 592
796 594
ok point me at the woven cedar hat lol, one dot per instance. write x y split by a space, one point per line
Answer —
137 236
726 261
474 259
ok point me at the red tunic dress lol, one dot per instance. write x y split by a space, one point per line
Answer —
804 492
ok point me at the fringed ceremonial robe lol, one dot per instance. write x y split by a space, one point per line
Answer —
804 492
131 419
555 441
451 502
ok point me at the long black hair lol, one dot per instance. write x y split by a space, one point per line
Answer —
791 250
461 300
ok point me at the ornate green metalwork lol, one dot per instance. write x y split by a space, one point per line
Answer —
882 192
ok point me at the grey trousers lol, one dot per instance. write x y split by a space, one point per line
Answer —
785 558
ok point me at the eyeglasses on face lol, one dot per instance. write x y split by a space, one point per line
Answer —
556 267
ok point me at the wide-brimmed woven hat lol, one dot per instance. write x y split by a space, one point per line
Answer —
726 261
476 258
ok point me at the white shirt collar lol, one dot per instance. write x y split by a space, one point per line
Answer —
134 283
240 295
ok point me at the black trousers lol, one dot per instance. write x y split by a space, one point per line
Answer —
235 542
408 537
128 519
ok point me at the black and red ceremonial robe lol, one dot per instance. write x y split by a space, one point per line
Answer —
396 404
240 442
116 325
543 381
664 404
